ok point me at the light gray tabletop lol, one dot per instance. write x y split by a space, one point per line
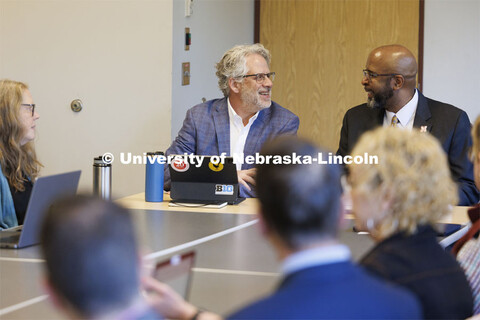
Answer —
234 264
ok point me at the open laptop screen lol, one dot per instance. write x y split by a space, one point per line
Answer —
45 191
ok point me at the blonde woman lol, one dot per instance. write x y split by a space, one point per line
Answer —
397 201
18 162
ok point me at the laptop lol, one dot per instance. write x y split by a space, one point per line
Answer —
209 183
45 191
177 272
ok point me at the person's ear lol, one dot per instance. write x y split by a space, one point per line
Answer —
55 298
342 222
58 301
387 199
262 225
234 85
398 83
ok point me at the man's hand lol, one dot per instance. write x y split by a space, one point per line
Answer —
169 304
166 301
247 176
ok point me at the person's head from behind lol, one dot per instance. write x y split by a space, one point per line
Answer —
410 186
244 72
91 256
475 153
300 203
17 120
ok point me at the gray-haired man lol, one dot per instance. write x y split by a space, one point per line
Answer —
242 120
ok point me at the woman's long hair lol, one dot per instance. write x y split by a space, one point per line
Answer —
18 162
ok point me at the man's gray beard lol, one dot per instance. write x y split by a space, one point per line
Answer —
379 101
374 104
254 103
261 106
258 107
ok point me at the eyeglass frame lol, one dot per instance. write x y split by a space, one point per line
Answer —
32 105
265 75
372 75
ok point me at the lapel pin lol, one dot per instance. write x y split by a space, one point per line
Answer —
423 129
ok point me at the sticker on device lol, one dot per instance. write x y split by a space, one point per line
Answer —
180 165
224 189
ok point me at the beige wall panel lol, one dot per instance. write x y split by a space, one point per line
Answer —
283 21
319 49
116 56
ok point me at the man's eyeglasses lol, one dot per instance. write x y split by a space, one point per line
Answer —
260 77
31 106
370 74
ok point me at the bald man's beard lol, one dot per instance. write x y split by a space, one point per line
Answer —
379 99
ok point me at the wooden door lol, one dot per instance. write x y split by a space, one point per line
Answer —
319 48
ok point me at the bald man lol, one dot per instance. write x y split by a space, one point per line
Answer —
389 78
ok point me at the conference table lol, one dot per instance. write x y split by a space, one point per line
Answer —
234 265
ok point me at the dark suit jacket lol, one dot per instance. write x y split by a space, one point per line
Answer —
418 263
447 123
333 291
206 131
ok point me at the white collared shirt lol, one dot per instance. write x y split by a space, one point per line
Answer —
238 132
405 116
315 257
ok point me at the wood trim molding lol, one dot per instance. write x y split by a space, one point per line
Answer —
421 30
256 21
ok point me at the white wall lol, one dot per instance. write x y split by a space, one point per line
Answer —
216 26
452 53
116 57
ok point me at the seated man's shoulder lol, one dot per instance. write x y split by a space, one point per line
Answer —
265 308
395 299
208 106
368 297
444 109
359 110
281 113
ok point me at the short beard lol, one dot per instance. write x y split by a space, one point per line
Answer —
252 100
379 100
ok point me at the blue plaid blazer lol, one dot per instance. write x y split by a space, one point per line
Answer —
206 131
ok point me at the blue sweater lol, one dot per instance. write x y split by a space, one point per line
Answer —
8 217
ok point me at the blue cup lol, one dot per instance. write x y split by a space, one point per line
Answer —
154 177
